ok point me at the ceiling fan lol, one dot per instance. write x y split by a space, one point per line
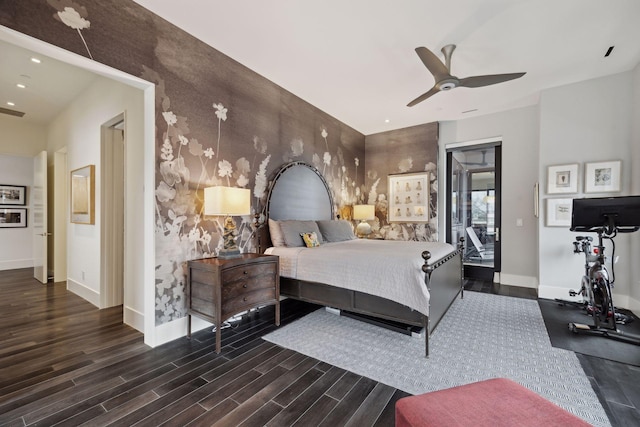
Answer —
445 81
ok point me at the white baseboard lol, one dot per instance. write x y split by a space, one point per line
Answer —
15 264
516 280
84 292
176 329
133 318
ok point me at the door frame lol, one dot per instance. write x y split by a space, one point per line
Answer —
112 214
496 144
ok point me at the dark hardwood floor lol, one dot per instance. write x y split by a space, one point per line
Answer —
63 362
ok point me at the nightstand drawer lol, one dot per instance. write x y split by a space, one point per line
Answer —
248 271
248 300
240 280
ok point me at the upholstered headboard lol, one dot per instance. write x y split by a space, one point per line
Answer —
297 191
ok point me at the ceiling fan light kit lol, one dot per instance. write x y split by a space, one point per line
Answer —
446 81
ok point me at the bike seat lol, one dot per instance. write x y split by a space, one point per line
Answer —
587 238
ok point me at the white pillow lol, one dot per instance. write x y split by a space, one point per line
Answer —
277 238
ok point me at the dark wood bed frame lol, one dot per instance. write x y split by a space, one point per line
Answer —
442 278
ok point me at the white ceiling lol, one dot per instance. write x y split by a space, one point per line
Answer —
50 85
355 59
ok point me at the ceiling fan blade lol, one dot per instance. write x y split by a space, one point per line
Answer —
479 81
433 64
424 96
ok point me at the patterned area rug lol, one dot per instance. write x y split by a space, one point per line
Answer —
482 336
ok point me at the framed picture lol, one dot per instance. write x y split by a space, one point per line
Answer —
409 197
13 218
82 195
602 177
562 179
559 212
13 195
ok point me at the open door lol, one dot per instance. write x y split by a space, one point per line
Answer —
39 203
474 206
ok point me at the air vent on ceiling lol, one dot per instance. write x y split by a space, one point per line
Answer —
609 51
11 112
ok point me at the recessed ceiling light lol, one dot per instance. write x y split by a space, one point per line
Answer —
21 86
386 120
36 60
10 104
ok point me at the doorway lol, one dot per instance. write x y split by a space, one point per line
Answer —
474 205
112 145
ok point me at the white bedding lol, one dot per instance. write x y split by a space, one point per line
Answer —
386 268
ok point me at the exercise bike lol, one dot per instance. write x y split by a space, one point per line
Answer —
582 244
607 217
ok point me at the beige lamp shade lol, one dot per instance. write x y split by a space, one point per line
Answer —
365 212
227 201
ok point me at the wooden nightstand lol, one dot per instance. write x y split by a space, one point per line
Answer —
218 289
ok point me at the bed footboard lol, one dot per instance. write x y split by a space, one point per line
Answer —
444 280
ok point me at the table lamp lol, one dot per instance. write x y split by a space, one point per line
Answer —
363 213
227 201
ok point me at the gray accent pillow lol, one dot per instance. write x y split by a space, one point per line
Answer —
336 231
277 239
292 229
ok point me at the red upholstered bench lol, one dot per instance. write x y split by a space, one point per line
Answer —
490 403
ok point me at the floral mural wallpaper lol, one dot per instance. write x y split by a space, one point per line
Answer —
219 123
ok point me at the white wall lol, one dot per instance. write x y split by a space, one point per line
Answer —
78 129
584 122
16 244
21 138
518 130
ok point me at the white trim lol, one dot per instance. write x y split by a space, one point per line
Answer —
177 329
517 280
133 318
453 145
16 263
84 291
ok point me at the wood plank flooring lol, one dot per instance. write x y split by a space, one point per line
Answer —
63 362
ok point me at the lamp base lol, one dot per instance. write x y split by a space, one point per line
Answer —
229 253
363 229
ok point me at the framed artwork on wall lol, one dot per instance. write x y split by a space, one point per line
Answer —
13 195
409 197
13 218
602 177
82 195
562 179
559 212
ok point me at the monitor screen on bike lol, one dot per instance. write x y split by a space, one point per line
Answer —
610 214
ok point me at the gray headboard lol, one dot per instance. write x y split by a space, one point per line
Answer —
298 191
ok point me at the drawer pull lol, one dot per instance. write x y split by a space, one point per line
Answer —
244 299
245 272
244 286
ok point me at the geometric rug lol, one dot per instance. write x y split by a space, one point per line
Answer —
481 336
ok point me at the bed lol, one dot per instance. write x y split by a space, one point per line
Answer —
391 282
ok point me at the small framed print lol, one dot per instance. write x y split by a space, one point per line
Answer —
562 179
559 212
13 195
13 218
602 177
409 197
